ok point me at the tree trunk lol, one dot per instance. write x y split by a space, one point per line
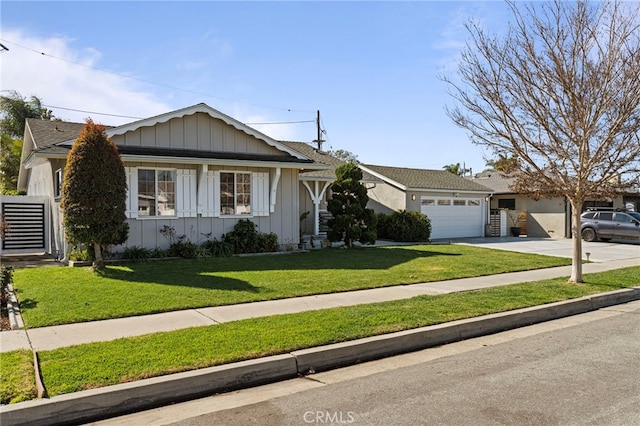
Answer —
576 262
98 262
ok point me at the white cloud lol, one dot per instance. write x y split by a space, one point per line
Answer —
66 77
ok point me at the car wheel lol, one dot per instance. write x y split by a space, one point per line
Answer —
588 234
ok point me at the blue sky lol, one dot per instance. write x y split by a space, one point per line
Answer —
371 68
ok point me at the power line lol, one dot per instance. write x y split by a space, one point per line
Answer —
92 112
284 122
148 81
140 118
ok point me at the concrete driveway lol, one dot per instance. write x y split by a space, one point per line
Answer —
594 251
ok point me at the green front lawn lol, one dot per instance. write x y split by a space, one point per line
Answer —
100 364
50 296
17 377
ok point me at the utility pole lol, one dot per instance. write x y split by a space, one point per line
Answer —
319 141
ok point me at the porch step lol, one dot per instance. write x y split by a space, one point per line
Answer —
325 216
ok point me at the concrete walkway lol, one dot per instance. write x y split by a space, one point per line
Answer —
47 338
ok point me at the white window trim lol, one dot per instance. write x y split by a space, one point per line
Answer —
156 170
57 189
185 192
235 208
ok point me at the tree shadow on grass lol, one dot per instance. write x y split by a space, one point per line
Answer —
178 275
208 273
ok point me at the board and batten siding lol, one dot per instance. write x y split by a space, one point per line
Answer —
198 206
197 132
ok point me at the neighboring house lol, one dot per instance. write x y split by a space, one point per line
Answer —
546 217
195 169
456 207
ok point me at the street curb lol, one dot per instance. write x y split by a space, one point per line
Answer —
85 406
121 399
13 308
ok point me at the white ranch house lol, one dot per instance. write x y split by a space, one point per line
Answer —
195 169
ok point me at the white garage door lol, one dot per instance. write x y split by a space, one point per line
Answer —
453 217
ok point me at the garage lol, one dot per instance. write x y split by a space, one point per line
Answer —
454 217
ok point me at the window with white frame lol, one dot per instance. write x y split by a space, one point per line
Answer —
156 193
235 193
57 184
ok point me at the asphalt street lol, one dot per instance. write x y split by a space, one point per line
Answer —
580 370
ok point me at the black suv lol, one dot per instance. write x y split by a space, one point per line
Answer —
605 224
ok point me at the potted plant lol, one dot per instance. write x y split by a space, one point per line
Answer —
515 229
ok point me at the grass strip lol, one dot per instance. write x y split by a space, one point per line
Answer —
51 296
100 364
17 377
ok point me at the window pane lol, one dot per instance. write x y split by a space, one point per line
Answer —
428 202
623 218
459 202
166 193
605 216
146 192
507 203
444 202
227 194
474 202
243 193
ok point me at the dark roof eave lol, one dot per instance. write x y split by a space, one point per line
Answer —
214 155
194 156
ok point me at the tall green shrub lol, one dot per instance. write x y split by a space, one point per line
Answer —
409 226
352 220
94 191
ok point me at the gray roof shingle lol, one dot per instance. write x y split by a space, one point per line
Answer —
48 133
495 181
426 179
323 158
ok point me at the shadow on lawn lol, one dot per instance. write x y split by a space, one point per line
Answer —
206 273
179 276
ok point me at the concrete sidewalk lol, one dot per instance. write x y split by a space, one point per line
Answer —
47 338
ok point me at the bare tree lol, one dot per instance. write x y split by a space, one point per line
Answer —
561 92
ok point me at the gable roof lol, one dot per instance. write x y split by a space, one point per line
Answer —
45 133
55 138
423 179
206 109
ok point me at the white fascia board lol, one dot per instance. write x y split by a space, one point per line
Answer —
203 108
461 191
33 160
383 178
